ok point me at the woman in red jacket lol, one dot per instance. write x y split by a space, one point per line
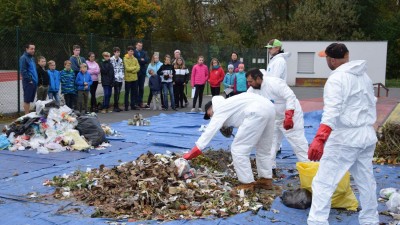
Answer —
216 77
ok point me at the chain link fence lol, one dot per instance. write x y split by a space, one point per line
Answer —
58 47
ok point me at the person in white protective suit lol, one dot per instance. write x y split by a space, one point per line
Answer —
254 116
277 65
289 119
347 131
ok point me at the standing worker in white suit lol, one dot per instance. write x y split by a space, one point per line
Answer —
347 131
289 121
254 116
277 65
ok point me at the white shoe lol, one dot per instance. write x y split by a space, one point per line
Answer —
193 110
199 110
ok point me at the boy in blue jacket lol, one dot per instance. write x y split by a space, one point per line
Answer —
229 81
68 88
83 82
54 82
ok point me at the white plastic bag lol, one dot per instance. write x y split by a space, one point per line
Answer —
193 91
182 166
387 192
394 203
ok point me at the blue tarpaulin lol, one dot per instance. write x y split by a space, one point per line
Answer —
23 172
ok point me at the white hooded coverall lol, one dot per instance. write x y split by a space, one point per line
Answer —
277 91
350 110
254 116
277 66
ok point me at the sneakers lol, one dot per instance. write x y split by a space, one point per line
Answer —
199 110
117 109
264 183
147 107
246 187
193 110
103 111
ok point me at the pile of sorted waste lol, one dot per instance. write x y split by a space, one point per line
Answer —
53 129
388 146
138 120
153 187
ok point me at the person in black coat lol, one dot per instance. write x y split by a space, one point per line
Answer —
107 80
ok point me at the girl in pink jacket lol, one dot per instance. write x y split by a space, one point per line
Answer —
198 81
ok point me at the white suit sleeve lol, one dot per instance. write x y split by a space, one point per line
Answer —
213 127
286 93
333 98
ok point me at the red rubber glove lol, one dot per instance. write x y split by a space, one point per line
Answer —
193 153
316 148
288 122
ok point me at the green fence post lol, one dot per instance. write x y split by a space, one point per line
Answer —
18 74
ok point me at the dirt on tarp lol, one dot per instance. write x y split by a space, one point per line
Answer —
388 147
148 189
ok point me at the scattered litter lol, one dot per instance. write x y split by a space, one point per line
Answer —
54 129
149 188
138 120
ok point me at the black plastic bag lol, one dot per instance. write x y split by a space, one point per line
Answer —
90 128
298 199
45 110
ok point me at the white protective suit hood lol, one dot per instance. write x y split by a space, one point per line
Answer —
357 67
284 55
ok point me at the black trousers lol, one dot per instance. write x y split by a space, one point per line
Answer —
131 93
198 94
117 93
93 89
215 91
70 100
178 92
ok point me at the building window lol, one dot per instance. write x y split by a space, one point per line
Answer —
305 62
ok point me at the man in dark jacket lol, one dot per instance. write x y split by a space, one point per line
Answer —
29 76
107 80
143 60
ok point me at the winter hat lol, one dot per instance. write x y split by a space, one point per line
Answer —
230 66
335 50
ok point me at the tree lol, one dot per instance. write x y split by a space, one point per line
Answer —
325 20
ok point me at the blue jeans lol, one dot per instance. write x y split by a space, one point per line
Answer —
131 88
107 95
55 96
167 87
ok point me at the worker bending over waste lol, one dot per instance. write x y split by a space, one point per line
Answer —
289 121
348 134
254 116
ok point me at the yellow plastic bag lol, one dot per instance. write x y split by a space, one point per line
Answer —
343 197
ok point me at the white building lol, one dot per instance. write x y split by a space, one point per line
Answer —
306 68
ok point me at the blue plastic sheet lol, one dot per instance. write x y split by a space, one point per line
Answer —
176 132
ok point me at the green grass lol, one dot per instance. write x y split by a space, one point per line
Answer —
393 83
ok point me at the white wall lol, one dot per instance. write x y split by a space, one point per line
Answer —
373 51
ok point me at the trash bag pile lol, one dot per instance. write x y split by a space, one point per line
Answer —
138 120
53 129
388 146
159 187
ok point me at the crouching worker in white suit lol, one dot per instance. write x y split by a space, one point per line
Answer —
254 116
348 134
289 119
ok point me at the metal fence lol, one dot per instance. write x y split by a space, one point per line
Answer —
58 47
